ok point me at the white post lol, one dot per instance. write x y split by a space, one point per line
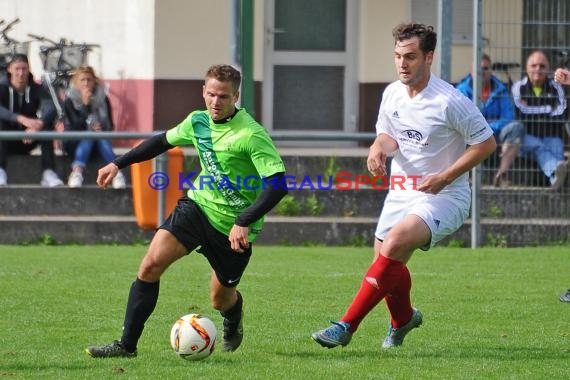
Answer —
475 173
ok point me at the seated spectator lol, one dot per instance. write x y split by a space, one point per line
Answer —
21 101
541 104
87 108
497 107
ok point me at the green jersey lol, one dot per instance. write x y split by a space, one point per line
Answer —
235 156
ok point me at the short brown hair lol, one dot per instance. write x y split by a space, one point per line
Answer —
406 30
225 73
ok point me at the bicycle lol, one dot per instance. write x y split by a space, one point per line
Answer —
59 60
9 46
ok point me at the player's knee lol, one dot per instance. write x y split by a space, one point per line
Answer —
397 248
393 245
150 270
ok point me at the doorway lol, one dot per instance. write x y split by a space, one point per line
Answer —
310 81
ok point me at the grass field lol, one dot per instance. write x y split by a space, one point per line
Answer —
488 314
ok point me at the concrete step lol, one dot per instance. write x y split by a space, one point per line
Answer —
365 202
334 231
101 229
360 231
497 203
26 169
22 200
513 216
524 202
124 230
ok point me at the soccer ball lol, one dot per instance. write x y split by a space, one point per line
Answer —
193 337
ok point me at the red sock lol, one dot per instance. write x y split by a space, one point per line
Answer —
380 279
399 302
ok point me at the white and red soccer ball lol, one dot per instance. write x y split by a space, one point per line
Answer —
193 337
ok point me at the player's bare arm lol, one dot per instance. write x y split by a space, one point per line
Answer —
382 147
474 155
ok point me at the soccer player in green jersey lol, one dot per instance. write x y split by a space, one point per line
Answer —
219 217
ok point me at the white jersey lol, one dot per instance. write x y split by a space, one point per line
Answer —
432 130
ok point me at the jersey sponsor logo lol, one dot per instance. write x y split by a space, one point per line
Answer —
412 138
413 134
395 115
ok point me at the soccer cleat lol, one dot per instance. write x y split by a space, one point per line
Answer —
50 179
565 297
233 334
396 337
335 335
113 350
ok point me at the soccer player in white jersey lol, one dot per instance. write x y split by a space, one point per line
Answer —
435 135
562 76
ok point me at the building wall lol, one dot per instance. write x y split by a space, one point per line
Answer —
122 28
125 59
190 36
377 18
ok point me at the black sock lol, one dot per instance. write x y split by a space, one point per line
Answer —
234 313
142 301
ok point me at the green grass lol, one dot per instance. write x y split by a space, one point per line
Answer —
488 314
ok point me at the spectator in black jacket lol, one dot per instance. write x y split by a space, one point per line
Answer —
541 106
87 108
25 106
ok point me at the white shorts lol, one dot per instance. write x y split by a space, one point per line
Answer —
443 213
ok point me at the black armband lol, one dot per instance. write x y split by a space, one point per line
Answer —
145 151
273 193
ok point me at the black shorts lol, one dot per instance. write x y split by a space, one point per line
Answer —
192 229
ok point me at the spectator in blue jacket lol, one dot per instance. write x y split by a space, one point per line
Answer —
497 107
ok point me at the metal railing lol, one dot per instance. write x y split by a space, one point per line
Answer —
275 135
